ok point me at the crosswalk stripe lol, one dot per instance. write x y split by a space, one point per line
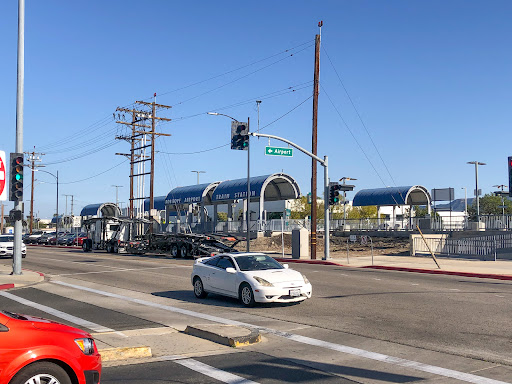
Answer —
212 372
62 315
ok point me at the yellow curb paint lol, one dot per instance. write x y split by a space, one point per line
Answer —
111 354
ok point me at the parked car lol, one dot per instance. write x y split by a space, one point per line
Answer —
53 239
7 246
33 238
35 350
250 277
63 240
44 237
78 239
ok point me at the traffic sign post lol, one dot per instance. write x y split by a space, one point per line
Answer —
3 177
277 151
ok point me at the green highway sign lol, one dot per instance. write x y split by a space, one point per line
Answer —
276 151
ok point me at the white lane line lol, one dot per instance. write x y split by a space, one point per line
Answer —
375 278
467 377
81 262
120 270
415 284
454 289
214 373
499 296
62 315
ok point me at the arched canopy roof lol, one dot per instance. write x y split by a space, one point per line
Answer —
158 203
411 195
278 186
100 210
191 194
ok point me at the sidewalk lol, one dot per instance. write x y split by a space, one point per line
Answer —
12 281
501 269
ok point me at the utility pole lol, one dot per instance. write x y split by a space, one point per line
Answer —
139 133
314 144
33 157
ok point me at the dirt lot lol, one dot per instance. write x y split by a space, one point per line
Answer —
381 246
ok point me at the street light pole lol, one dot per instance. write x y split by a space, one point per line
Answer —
198 172
117 189
248 201
476 163
57 217
343 179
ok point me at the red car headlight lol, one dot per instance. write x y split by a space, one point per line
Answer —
86 345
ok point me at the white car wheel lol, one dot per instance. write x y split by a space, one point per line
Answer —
246 295
199 289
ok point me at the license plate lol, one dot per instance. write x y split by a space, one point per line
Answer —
294 292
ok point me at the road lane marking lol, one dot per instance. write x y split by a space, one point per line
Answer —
415 284
212 372
119 270
62 315
462 376
454 289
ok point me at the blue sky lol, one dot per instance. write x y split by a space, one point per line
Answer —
431 81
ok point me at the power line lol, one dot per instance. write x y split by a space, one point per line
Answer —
359 116
225 145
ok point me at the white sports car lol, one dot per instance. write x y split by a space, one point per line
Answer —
250 277
7 246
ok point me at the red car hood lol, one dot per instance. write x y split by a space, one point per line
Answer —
49 325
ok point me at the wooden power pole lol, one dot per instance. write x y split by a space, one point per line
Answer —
314 147
33 157
139 131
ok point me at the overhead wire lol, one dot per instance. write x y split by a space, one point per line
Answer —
233 70
225 145
358 114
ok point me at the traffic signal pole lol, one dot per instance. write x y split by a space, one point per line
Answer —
18 223
324 163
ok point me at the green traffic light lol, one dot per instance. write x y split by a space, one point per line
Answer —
18 177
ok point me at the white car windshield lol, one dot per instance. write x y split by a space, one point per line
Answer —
257 263
6 239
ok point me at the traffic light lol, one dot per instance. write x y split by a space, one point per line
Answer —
16 177
239 136
510 176
334 190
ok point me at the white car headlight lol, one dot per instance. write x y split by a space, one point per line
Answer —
263 282
305 279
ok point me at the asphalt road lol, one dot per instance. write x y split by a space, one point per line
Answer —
388 311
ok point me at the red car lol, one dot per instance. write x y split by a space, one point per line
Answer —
36 350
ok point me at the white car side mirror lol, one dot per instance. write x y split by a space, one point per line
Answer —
230 270
285 266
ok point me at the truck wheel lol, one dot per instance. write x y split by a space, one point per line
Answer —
174 250
41 372
183 251
116 248
85 248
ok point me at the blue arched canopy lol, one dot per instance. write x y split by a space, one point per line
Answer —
100 210
158 203
275 187
191 194
409 195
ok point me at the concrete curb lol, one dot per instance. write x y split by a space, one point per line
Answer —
54 246
441 272
225 334
112 354
401 269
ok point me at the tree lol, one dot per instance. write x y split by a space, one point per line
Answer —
489 205
222 216
300 209
366 212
